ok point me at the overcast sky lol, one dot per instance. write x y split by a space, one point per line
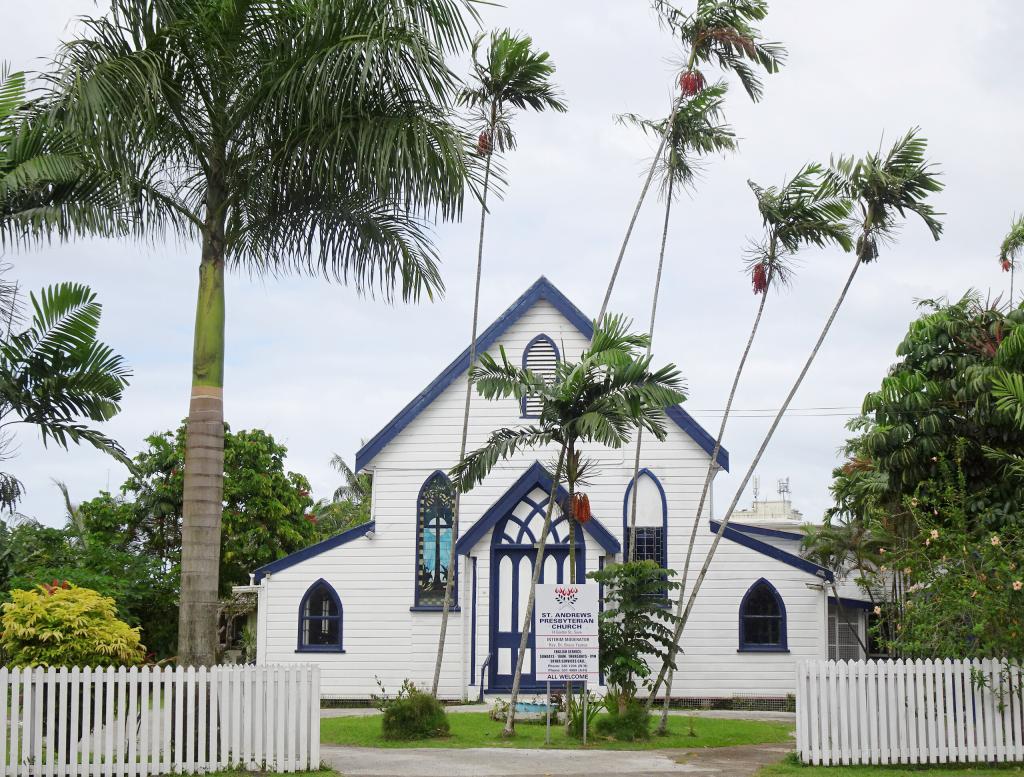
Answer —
322 369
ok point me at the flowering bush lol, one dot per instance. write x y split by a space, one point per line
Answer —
963 585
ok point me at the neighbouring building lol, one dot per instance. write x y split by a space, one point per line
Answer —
366 604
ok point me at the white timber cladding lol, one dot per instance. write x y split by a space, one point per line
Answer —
374 575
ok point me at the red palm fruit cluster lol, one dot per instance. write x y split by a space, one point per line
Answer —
581 508
691 82
759 277
1006 264
483 143
311 517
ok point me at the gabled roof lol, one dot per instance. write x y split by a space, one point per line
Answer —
747 541
534 477
541 289
315 550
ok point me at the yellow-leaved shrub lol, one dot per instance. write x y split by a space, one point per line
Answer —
67 626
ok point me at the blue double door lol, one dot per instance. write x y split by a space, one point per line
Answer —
512 568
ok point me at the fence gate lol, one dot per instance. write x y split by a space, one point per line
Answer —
118 721
909 712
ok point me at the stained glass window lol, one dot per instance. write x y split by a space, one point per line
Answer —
435 512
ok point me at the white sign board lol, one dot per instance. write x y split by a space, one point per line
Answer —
565 635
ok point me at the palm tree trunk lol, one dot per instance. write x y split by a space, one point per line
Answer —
650 341
708 479
450 582
524 641
757 459
636 211
204 466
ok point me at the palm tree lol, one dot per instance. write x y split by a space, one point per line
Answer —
312 137
349 505
48 186
883 188
56 372
794 215
600 399
510 76
720 32
1010 249
698 130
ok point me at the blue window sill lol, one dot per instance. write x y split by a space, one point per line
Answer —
320 649
434 608
764 649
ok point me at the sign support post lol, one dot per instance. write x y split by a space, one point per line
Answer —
586 693
547 706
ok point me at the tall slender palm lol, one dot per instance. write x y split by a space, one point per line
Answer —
884 188
312 137
510 76
794 215
1012 247
599 399
698 130
719 32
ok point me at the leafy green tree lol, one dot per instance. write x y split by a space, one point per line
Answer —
602 398
311 136
634 626
719 32
350 503
510 76
66 626
56 372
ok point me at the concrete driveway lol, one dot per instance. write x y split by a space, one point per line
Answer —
507 762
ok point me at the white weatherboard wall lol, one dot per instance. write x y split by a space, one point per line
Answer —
374 576
117 721
913 712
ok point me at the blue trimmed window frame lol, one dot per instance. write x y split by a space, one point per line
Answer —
418 605
782 646
627 507
301 645
526 352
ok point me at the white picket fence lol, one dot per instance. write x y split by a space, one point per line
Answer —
909 712
136 722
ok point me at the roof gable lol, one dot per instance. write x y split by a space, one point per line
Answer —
542 289
535 476
747 541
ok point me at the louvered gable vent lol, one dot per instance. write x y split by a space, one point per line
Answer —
540 357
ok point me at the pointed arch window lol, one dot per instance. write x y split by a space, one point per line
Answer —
320 620
651 519
763 620
540 357
435 510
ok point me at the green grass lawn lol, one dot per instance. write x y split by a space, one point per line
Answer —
792 768
476 729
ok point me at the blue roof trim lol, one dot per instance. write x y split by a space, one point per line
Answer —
772 552
855 604
782 535
535 476
541 289
315 550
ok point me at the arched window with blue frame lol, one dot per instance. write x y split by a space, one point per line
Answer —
541 357
763 620
435 512
651 519
320 620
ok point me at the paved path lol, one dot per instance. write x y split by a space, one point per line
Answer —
502 762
